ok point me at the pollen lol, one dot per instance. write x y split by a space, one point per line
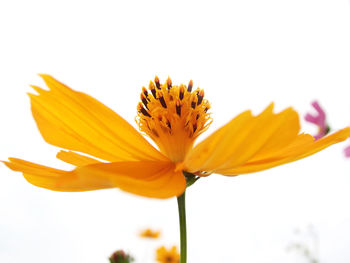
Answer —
173 116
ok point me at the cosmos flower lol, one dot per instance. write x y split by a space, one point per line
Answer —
319 119
168 256
107 152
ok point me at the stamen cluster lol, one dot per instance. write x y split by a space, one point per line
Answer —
173 116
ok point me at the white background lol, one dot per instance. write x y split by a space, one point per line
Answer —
244 54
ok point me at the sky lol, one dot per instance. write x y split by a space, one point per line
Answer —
245 55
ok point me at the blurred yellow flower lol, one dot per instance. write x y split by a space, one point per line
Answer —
149 233
173 117
168 256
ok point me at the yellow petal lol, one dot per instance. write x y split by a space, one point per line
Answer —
201 156
58 180
145 178
76 121
75 158
242 138
304 145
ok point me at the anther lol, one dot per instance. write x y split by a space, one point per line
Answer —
193 101
194 127
161 99
142 110
200 96
169 83
190 85
144 100
156 80
178 108
153 89
181 92
168 124
144 91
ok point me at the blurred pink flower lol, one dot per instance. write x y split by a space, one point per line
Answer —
347 151
319 119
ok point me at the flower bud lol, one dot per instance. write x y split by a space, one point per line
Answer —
120 256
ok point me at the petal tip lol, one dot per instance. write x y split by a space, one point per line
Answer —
43 75
345 133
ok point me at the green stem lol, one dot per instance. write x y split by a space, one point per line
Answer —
182 220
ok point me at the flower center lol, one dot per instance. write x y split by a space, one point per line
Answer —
173 116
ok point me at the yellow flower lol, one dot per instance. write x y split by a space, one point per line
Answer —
149 233
168 256
116 155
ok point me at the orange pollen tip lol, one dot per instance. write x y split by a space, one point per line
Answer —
173 117
178 107
151 85
181 92
200 97
194 100
169 83
144 91
190 86
152 89
159 94
156 80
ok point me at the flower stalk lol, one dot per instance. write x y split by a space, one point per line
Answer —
183 233
190 180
